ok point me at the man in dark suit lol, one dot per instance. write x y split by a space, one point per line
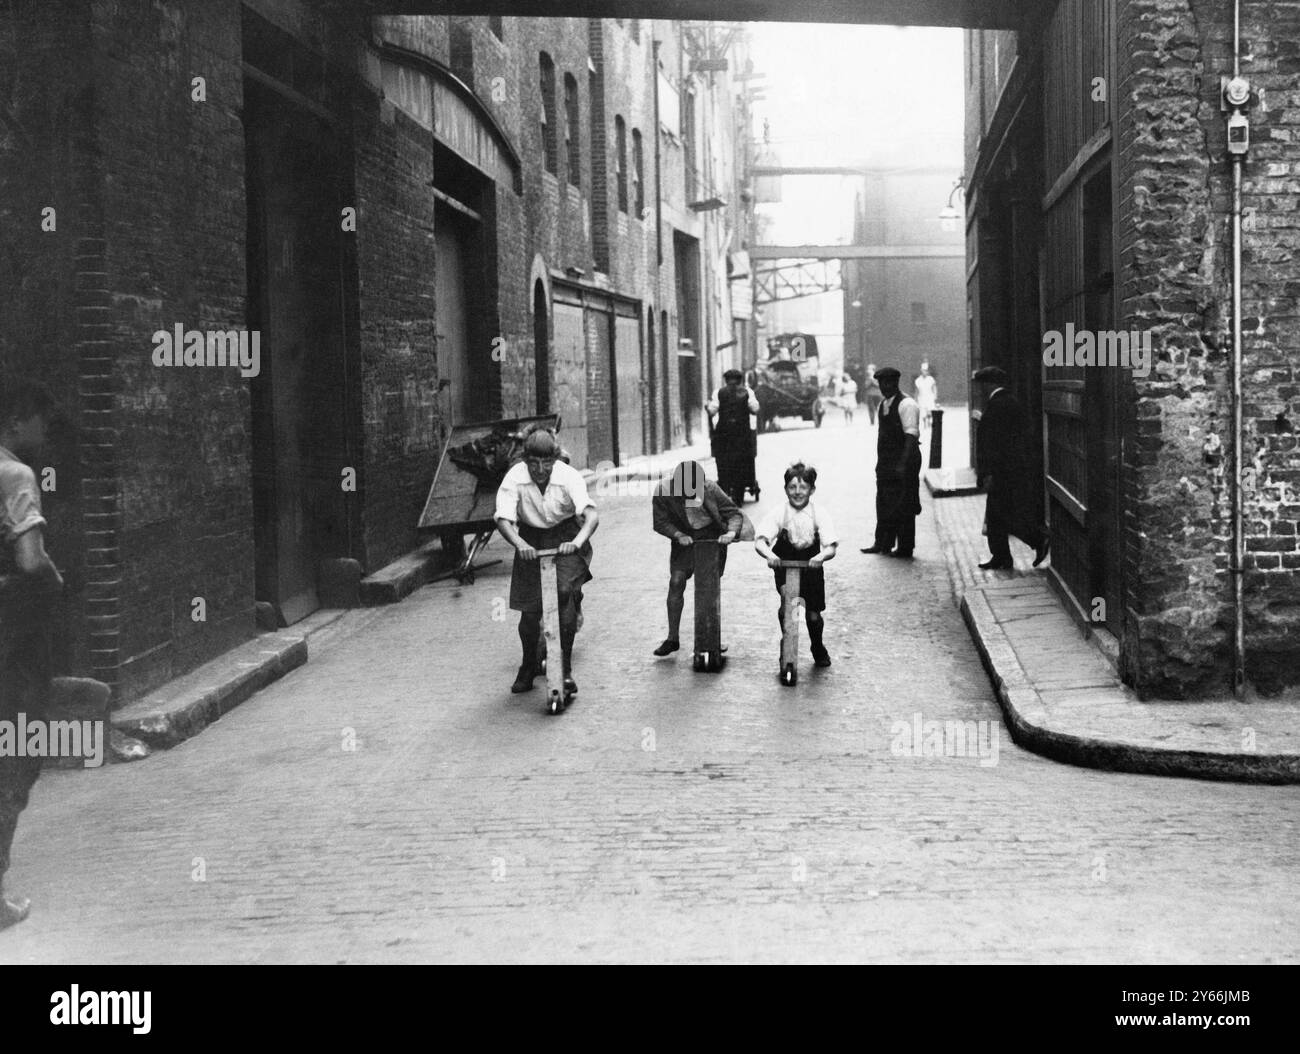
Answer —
1002 468
687 507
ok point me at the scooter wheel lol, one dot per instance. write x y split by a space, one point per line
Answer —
555 702
698 663
789 676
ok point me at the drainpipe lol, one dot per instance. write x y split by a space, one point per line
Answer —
1236 96
659 194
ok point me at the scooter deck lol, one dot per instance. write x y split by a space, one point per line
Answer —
708 606
790 635
557 700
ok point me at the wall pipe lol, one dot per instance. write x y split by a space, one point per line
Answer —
1238 498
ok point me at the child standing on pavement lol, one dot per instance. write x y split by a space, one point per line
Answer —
801 530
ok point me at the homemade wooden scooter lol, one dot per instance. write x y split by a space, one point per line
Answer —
708 606
790 634
558 697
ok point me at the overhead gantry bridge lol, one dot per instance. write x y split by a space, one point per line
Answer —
966 14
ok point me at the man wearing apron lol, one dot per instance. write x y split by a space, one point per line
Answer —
733 438
898 469
542 503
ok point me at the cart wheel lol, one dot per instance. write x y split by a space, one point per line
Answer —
555 702
789 676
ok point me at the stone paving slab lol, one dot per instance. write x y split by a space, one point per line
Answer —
1063 699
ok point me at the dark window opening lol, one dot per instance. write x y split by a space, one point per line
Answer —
550 145
620 161
638 174
572 145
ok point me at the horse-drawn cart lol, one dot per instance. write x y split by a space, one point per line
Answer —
787 384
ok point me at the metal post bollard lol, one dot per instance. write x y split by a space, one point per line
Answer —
936 438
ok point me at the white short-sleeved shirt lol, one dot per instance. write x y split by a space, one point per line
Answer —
520 501
800 524
20 498
926 391
908 412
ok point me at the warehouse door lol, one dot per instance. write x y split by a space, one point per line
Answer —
629 385
569 378
295 291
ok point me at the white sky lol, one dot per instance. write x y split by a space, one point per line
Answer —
878 95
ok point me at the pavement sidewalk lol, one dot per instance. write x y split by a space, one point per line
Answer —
1062 697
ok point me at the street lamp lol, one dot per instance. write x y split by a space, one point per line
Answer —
949 215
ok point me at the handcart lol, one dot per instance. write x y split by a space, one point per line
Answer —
462 498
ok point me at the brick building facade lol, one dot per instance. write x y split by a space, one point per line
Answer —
426 219
1100 197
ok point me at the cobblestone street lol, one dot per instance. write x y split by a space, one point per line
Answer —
668 815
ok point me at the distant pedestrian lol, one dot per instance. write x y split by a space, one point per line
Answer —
732 435
543 504
927 395
801 529
871 394
898 470
846 396
29 585
1002 468
688 508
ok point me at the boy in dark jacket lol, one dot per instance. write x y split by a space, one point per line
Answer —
688 507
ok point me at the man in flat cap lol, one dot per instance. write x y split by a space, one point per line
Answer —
898 469
1002 468
733 440
543 503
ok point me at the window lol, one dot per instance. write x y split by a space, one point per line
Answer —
572 146
620 161
549 131
497 26
638 175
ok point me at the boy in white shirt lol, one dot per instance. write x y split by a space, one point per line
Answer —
543 503
801 530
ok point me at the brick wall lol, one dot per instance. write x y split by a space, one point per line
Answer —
46 150
1176 281
396 267
154 505
174 229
